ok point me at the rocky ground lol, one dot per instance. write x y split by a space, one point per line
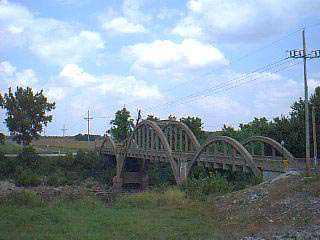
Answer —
287 207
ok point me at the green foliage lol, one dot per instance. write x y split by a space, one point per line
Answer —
2 138
122 125
196 126
199 188
22 198
290 129
160 174
29 169
152 118
172 197
29 157
27 178
26 113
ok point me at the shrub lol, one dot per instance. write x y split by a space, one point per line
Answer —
171 197
241 180
201 187
27 178
29 157
23 198
8 166
57 179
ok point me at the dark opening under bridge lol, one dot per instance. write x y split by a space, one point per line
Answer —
173 142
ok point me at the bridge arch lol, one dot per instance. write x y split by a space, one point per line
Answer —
108 141
182 136
148 129
234 144
271 142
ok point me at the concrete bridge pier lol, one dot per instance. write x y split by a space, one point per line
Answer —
132 177
183 171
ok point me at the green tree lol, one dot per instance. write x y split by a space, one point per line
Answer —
152 118
26 113
196 126
122 125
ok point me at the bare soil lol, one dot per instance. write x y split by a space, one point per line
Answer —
286 208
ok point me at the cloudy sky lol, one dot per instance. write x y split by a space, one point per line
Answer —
221 60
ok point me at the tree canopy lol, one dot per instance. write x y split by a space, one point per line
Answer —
122 125
26 113
290 129
196 126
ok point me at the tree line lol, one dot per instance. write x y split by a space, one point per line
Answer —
288 128
27 113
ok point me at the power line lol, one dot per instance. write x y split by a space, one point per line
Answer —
230 86
221 85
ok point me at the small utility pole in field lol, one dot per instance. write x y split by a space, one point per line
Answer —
64 129
88 118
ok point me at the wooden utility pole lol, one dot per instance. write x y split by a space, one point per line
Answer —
306 104
88 118
314 134
64 129
298 53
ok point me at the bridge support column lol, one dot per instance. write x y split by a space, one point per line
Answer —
183 171
117 184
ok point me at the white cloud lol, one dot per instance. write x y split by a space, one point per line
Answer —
115 85
129 86
131 9
55 41
312 84
162 53
218 104
122 25
129 20
56 93
6 68
244 21
76 76
13 78
188 28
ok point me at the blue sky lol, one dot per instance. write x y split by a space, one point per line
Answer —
166 57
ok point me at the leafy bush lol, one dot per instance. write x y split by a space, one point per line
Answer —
241 180
57 179
26 178
8 166
23 198
199 188
29 157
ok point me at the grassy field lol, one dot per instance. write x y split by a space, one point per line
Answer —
56 144
91 219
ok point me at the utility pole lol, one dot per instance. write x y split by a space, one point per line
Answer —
314 134
88 118
64 129
298 53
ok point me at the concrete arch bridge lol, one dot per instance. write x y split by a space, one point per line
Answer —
173 142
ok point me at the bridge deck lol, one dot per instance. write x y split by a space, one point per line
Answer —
266 163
